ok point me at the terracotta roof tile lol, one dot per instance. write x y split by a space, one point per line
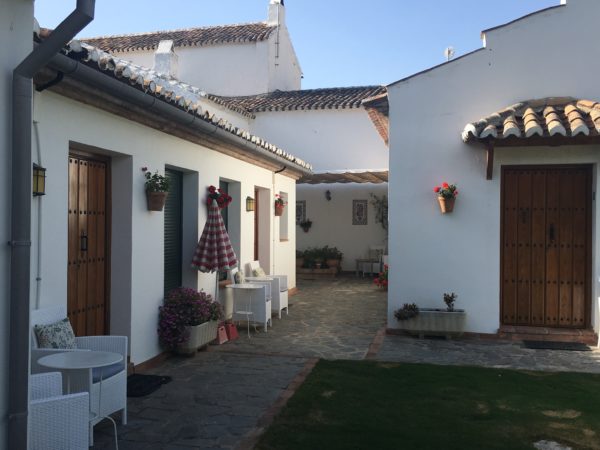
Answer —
168 89
308 99
547 117
190 37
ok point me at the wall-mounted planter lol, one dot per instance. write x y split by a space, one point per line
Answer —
446 204
435 322
199 336
279 210
156 200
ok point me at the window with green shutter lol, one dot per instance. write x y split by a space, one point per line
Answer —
173 213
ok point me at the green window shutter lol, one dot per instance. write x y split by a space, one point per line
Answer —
173 231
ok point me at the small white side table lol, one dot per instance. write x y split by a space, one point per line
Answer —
246 310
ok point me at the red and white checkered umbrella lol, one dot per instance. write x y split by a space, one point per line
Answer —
214 251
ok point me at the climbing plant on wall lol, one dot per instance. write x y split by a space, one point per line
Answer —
380 204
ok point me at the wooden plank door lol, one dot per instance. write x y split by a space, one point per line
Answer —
87 296
546 246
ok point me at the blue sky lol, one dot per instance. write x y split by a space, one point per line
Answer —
338 42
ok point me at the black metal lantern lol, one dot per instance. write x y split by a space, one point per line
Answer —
250 203
39 180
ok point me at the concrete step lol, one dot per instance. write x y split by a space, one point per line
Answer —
521 333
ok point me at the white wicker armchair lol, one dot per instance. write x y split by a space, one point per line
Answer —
280 289
56 420
114 385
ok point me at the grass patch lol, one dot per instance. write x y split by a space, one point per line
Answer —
370 405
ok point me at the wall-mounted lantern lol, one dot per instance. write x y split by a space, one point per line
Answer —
39 180
250 203
328 195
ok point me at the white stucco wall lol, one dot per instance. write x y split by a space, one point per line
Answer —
285 73
332 220
432 253
328 139
16 25
138 232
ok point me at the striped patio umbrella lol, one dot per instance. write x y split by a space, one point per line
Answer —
214 251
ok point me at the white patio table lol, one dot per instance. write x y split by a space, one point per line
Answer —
69 362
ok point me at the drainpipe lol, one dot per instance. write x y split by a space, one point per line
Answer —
22 95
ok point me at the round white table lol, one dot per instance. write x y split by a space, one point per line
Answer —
80 360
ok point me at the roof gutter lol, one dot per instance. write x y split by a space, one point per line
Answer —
22 114
124 91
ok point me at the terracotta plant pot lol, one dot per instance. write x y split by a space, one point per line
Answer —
156 200
446 204
279 210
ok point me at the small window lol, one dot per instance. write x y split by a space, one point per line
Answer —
284 219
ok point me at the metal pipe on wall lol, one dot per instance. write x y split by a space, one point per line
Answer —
20 289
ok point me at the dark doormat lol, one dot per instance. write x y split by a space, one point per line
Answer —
552 345
139 385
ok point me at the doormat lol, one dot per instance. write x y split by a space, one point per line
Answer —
552 345
139 385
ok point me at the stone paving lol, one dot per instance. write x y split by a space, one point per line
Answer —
223 397
507 355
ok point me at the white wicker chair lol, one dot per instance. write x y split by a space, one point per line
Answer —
57 421
114 387
280 289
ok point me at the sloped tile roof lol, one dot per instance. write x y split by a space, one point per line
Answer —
308 99
378 108
546 117
184 96
189 37
358 176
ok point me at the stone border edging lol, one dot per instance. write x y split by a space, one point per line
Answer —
251 439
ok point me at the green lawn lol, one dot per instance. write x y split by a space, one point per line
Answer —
370 405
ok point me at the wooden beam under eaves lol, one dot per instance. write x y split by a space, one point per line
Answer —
489 146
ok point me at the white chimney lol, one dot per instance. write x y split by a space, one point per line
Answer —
165 59
276 12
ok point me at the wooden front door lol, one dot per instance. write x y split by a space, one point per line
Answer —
87 297
546 246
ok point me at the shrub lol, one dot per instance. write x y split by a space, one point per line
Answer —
184 307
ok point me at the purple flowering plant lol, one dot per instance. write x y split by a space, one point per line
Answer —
184 307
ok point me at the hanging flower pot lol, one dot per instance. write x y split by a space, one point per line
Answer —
279 205
156 200
305 225
446 204
446 196
157 189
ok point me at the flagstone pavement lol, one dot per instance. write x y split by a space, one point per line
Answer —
224 396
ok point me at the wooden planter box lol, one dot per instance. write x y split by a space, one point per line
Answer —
199 336
436 322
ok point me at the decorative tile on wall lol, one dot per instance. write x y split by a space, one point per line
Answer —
359 212
300 211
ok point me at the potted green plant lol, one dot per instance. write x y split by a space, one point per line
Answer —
333 257
188 320
157 189
305 225
434 321
446 194
299 258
